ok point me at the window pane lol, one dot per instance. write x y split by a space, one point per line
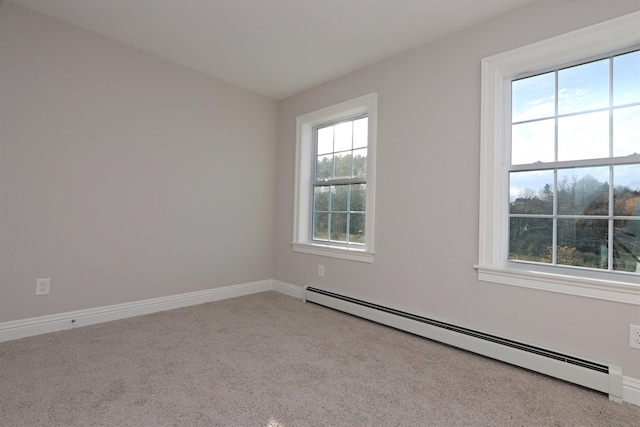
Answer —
356 228
626 78
343 136
321 226
533 97
324 167
321 198
583 191
360 133
338 227
531 239
533 142
626 131
626 246
325 140
339 198
585 136
583 87
583 242
358 197
531 192
627 190
344 165
360 163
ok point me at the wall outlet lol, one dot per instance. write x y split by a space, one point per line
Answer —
634 336
43 286
320 270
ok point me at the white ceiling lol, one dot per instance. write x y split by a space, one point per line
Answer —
274 47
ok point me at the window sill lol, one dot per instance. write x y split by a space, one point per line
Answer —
333 251
571 285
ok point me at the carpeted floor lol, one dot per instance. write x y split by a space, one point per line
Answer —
271 360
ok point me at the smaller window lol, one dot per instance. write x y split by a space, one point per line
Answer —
340 182
335 178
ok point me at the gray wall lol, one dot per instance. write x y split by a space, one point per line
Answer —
124 176
427 193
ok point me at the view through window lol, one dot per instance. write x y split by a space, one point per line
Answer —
574 182
340 182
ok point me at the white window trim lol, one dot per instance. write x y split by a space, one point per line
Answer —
619 33
302 199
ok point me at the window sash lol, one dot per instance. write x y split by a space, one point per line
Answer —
334 182
557 166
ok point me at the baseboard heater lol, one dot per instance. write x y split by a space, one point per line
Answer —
605 378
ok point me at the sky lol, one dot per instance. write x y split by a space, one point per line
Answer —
582 132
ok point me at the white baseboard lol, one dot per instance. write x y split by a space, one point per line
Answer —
58 322
631 390
288 289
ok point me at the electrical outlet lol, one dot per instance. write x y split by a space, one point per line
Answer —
43 286
634 336
320 270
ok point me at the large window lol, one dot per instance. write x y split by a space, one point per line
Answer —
574 178
560 166
335 176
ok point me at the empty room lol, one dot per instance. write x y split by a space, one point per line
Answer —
319 212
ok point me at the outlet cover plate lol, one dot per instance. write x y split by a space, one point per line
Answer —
634 336
43 286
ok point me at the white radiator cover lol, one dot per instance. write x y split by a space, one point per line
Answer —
606 378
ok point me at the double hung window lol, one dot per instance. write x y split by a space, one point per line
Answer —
340 182
560 164
574 172
335 177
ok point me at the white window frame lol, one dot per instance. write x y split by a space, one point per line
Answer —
616 34
302 221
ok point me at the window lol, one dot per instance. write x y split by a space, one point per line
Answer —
340 182
574 175
560 166
335 180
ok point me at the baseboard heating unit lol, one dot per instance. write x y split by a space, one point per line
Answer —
605 378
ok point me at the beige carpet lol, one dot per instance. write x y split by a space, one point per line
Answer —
271 360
